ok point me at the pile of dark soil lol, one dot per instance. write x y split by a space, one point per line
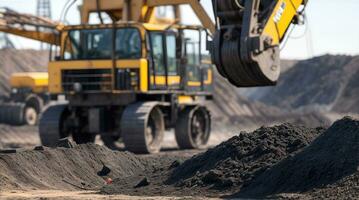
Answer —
328 167
237 161
83 167
219 171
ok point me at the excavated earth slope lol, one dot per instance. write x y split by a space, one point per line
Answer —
231 109
327 168
329 82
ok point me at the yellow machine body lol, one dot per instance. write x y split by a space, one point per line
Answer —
140 65
281 19
36 81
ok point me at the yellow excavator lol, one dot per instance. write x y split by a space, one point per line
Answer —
140 74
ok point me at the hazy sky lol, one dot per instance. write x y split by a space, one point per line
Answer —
332 26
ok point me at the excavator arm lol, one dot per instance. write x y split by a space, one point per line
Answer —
246 35
29 26
249 32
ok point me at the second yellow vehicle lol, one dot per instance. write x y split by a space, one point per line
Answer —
28 96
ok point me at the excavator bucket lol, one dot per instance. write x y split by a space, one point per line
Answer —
246 44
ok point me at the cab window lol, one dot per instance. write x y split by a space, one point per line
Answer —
128 44
87 44
158 53
171 54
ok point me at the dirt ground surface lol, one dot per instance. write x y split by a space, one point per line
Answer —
82 195
287 158
302 163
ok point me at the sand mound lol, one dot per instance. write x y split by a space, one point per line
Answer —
331 161
236 161
82 167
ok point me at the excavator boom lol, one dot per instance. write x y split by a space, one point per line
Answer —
29 26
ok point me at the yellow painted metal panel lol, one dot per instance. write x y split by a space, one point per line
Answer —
37 81
156 27
144 75
194 83
281 18
161 80
209 77
185 99
55 69
55 78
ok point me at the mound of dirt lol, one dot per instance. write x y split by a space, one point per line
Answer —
324 81
83 167
235 162
348 101
13 60
331 161
229 108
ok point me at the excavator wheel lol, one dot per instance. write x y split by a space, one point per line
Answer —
54 125
142 127
12 114
193 128
51 124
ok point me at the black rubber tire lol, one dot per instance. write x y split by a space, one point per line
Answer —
51 124
185 130
12 114
142 127
51 127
